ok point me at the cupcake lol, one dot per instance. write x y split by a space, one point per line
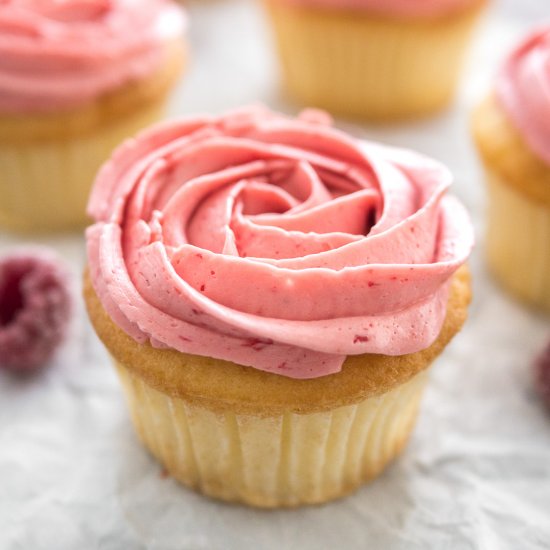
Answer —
512 132
76 78
376 59
273 293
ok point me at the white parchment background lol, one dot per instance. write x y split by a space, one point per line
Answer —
477 472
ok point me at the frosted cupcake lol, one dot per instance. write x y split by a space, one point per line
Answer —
512 132
273 293
76 78
379 59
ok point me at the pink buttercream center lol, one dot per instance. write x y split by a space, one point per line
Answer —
275 243
57 54
523 89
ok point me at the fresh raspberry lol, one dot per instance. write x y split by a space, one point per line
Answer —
542 373
35 307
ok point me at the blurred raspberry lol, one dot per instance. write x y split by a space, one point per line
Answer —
542 373
35 308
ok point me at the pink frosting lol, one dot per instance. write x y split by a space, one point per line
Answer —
523 88
276 243
56 54
407 8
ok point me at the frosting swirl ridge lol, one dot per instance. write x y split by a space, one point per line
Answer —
276 243
523 89
57 54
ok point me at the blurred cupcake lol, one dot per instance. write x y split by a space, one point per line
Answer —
512 132
76 78
379 59
273 293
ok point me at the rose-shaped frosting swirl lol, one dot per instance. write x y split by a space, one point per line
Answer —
57 54
275 243
523 89
398 8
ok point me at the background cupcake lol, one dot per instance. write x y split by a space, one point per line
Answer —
273 293
512 132
379 59
76 78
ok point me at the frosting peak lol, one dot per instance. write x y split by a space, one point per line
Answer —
57 54
276 243
523 89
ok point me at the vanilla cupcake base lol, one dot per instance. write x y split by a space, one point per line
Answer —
368 65
274 461
518 241
240 434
